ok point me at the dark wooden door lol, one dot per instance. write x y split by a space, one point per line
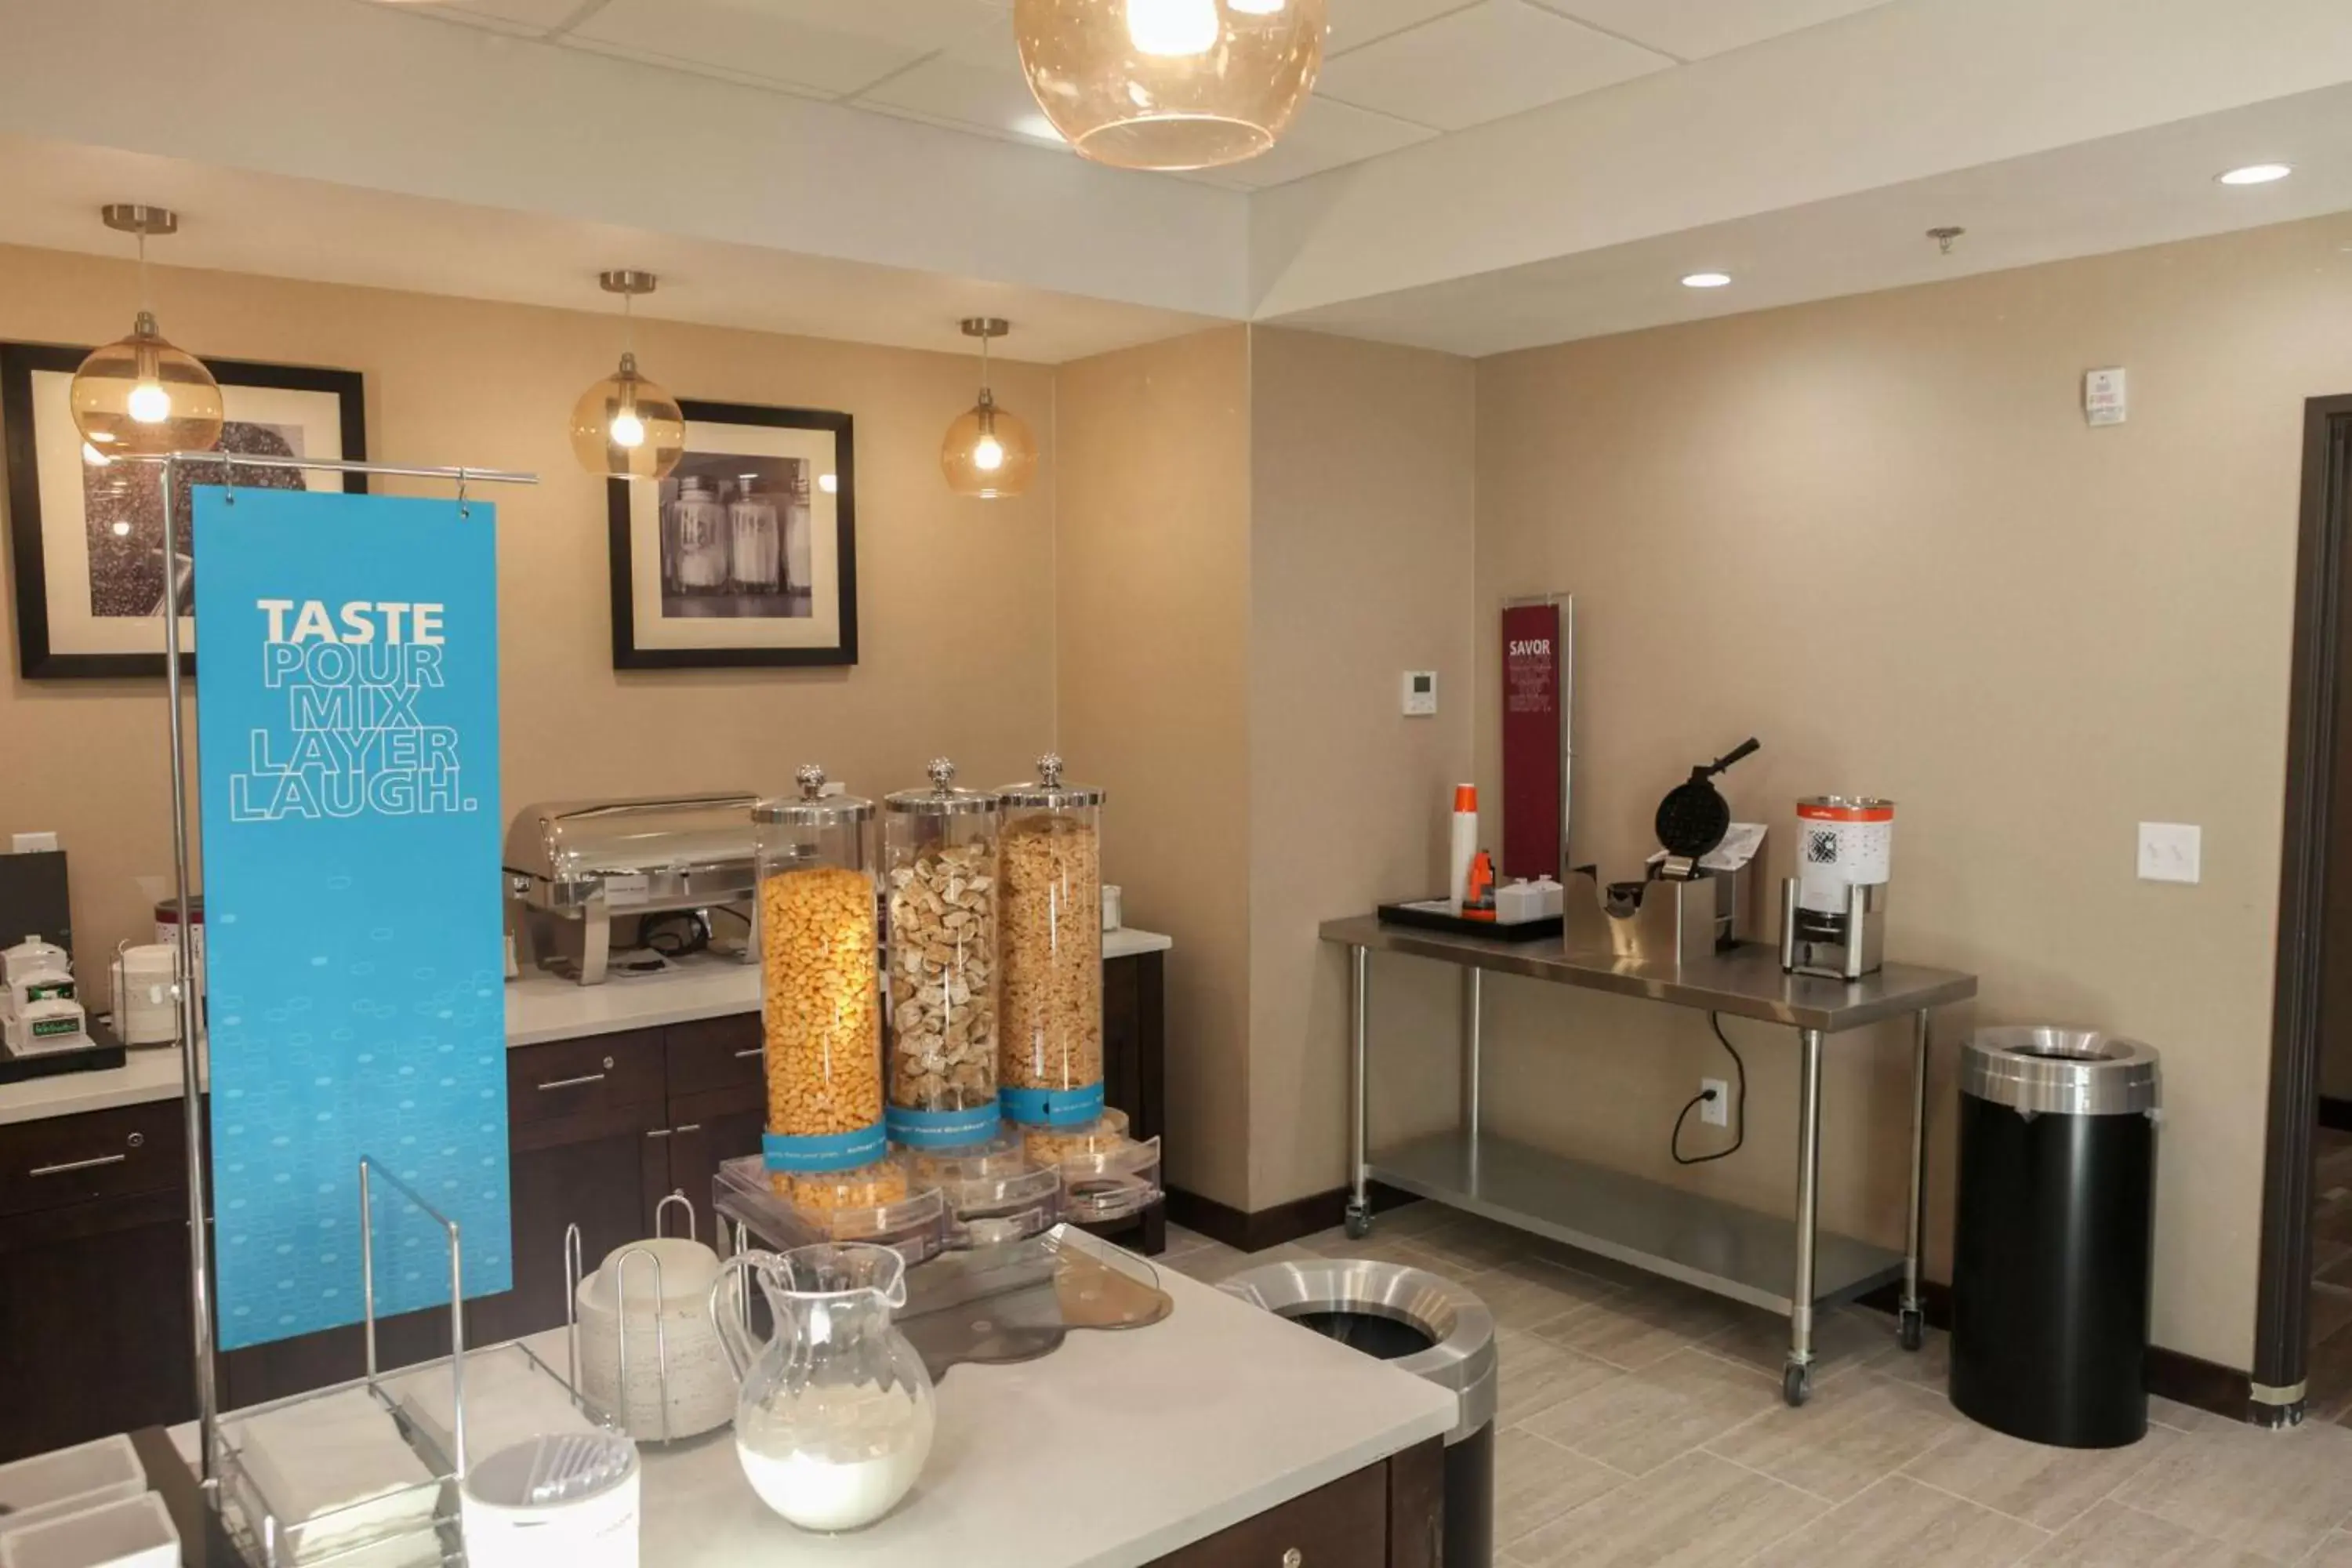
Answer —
602 1174
703 1139
96 1331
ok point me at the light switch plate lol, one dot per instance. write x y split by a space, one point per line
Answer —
2170 851
1420 689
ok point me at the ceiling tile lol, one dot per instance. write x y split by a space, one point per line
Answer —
979 85
517 16
1497 58
1326 135
1355 23
1693 28
834 47
923 25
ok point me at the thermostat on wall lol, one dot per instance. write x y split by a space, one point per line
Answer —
1419 693
2103 396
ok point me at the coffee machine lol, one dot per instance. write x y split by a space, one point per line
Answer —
1833 912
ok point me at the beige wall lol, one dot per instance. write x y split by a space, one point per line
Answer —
1154 638
1360 554
1877 532
955 596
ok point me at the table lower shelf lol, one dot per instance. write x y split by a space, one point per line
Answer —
1718 1247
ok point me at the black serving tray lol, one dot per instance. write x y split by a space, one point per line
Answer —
107 1052
1455 925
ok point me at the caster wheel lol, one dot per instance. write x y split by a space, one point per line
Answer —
1360 1222
1796 1385
1910 1332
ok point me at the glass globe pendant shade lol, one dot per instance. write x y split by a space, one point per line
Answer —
143 397
1170 84
989 454
627 427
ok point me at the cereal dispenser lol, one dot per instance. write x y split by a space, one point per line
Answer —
939 880
1049 994
820 981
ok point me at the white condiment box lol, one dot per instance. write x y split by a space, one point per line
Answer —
132 1532
47 1486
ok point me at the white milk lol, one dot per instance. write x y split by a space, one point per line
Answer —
870 1444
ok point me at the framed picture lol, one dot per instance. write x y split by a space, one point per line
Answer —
95 563
746 554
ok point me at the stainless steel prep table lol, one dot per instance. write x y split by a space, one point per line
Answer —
1787 1266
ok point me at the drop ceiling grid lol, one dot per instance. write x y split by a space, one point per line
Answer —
1398 71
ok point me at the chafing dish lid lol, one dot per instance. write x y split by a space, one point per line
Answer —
582 841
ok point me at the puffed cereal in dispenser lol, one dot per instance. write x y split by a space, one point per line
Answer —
1049 977
821 1006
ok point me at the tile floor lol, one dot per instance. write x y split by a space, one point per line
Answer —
1640 1426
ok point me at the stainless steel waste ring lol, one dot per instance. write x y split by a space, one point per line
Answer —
1460 1354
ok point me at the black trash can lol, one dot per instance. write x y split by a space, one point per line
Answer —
2055 1235
1421 1323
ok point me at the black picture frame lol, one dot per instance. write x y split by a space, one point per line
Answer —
620 521
37 658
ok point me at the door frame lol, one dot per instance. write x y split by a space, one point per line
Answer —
2282 1322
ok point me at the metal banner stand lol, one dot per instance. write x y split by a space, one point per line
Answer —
199 1247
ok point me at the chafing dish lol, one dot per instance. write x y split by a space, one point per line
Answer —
573 865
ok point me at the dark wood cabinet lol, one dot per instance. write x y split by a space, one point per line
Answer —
96 1332
1389 1515
95 1324
603 1172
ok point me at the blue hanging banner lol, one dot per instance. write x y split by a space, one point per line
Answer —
348 715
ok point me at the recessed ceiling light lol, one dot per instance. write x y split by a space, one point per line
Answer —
1705 279
2256 174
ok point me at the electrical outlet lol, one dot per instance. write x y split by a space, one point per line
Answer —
2170 852
1715 1112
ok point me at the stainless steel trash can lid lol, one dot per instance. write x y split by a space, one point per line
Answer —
1452 1342
2049 1069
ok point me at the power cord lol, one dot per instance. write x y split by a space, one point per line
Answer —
1739 1113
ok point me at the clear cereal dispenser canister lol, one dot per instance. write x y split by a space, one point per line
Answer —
939 884
1049 984
821 1006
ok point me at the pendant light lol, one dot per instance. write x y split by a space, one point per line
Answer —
141 396
626 426
1170 84
989 452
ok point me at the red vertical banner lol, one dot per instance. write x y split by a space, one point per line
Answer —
1533 709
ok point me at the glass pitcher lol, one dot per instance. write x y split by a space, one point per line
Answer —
836 1413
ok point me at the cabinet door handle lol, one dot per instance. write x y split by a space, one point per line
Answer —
76 1165
752 1052
1292 1557
572 1082
659 1133
690 1126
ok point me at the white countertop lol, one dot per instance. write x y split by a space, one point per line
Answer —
539 1009
1115 1449
1111 1451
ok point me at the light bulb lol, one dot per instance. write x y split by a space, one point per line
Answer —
988 455
1172 27
628 431
150 404
93 456
1258 7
